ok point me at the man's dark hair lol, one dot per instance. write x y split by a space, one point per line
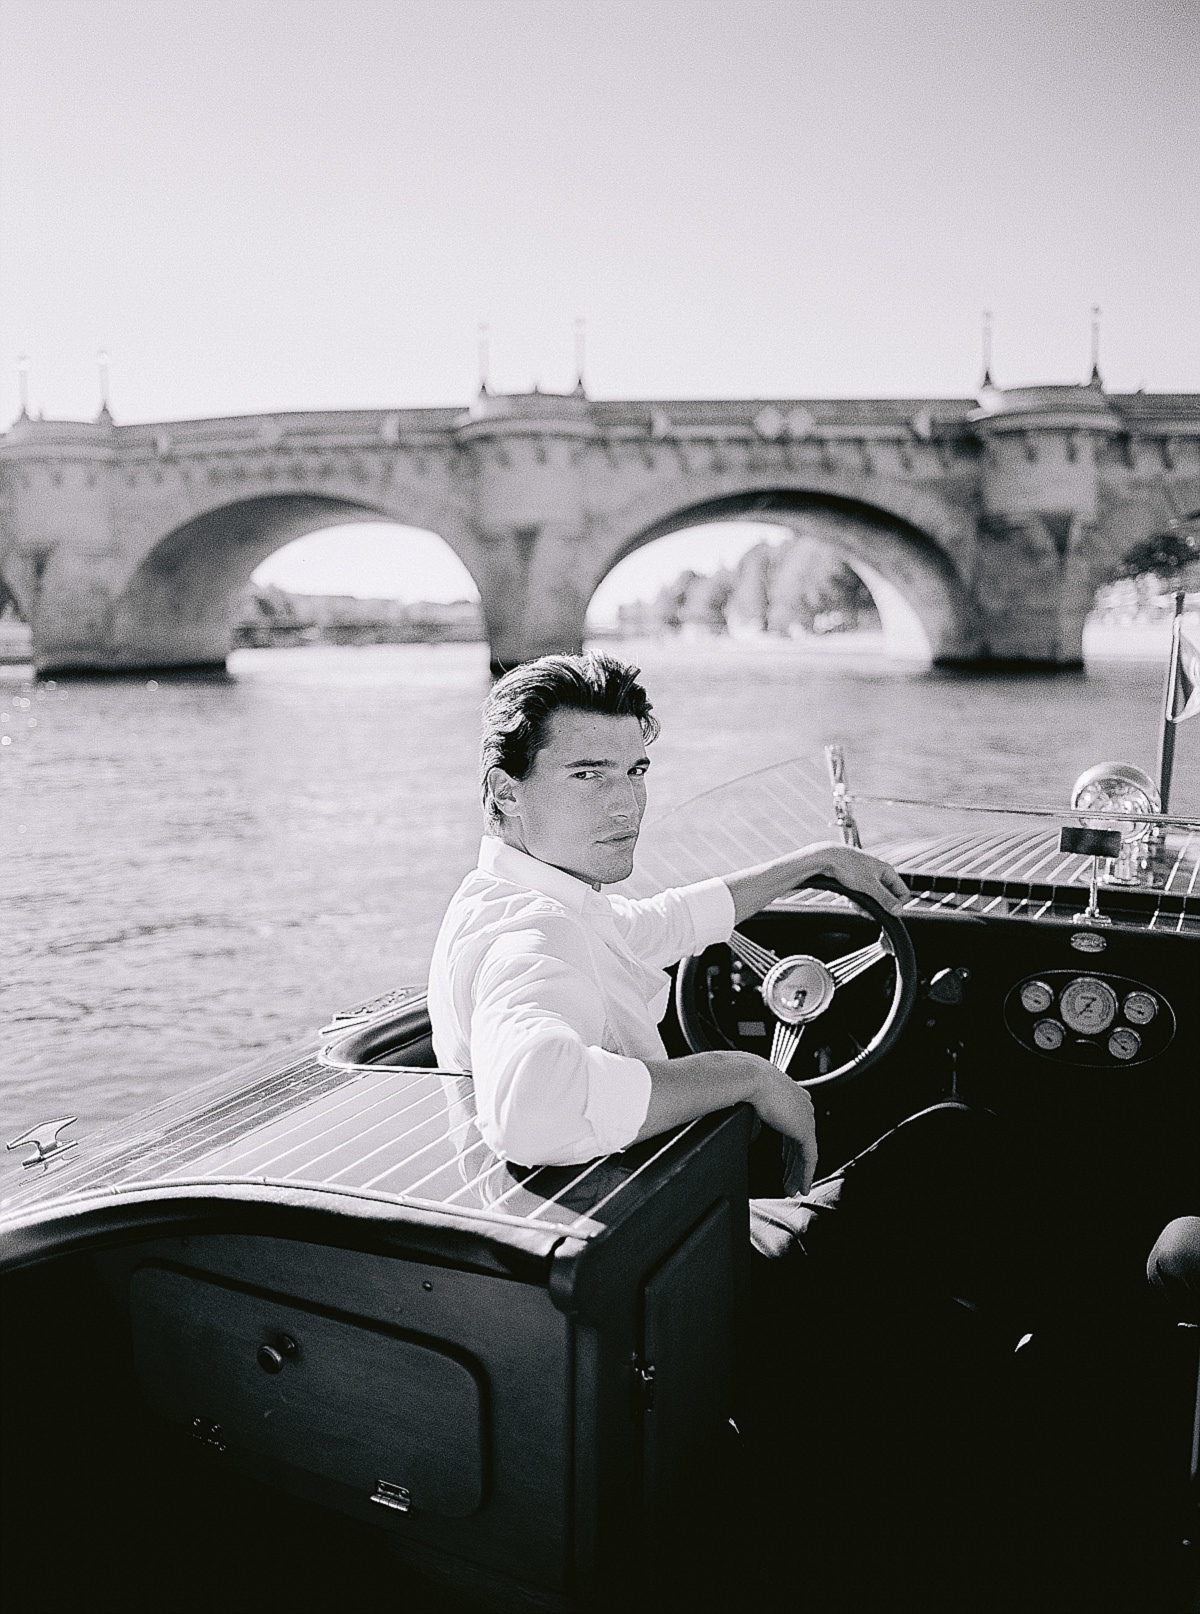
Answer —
516 715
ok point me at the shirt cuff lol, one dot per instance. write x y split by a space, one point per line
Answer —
710 905
618 1099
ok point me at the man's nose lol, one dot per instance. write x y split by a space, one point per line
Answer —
623 802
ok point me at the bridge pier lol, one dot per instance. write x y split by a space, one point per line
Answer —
534 592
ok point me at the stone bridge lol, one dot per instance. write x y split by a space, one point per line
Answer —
992 520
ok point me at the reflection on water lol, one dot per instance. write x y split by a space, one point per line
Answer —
203 868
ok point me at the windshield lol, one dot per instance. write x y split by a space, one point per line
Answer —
772 811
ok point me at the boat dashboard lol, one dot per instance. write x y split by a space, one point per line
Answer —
1082 1035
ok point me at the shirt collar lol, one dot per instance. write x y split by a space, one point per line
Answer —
518 868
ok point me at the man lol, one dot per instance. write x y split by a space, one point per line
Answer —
550 992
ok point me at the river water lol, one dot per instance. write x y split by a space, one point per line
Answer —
195 870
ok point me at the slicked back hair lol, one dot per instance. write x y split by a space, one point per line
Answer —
517 713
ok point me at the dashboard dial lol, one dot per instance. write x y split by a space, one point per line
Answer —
1036 997
1124 1043
1140 1008
1088 1006
1048 1034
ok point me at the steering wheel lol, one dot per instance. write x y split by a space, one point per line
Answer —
798 989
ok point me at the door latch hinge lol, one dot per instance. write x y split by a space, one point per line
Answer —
643 1385
390 1495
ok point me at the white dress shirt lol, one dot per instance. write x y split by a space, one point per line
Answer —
550 994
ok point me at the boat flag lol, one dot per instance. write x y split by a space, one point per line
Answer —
1187 681
1181 698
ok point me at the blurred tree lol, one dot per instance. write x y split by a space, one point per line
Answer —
671 600
706 601
1166 554
750 601
809 580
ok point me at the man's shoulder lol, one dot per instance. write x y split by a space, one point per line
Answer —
486 908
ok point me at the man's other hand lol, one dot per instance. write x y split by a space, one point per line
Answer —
786 1106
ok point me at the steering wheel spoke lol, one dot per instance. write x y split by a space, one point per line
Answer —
760 959
850 965
784 1042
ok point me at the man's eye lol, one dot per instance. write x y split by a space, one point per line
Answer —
586 773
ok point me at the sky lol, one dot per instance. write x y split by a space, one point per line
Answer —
307 204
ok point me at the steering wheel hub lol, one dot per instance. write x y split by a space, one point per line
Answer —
798 989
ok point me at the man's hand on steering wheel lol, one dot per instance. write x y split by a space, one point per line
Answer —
855 871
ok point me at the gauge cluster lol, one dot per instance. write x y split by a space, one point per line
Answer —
1104 1020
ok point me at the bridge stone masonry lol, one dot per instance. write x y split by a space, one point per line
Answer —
990 521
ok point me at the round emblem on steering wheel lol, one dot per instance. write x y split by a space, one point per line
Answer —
798 989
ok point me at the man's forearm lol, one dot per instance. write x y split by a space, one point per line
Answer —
684 1089
752 889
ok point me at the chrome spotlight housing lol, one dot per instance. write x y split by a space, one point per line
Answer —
1117 796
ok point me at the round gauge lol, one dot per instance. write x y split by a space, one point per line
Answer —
1124 1043
1036 997
1140 1008
1088 1005
1115 789
1048 1034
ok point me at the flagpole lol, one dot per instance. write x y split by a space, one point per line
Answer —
1166 740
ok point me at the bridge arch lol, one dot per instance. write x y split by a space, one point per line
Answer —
178 603
904 543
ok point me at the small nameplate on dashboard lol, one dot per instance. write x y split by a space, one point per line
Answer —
1091 842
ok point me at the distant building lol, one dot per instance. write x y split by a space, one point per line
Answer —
270 616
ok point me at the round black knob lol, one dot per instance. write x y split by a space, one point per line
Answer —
269 1359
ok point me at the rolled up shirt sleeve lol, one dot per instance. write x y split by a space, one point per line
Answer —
684 920
546 1091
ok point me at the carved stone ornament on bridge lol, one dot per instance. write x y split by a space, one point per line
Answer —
389 429
800 423
768 423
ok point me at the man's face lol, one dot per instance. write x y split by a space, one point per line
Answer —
581 806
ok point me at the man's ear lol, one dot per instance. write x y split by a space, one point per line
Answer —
502 791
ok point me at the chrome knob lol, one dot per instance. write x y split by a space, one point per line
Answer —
272 1357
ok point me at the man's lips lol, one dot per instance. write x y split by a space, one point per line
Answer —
619 840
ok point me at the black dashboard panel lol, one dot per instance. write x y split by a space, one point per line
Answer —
1083 1116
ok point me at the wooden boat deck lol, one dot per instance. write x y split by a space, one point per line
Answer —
396 1138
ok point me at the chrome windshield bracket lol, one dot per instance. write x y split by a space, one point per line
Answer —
835 761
